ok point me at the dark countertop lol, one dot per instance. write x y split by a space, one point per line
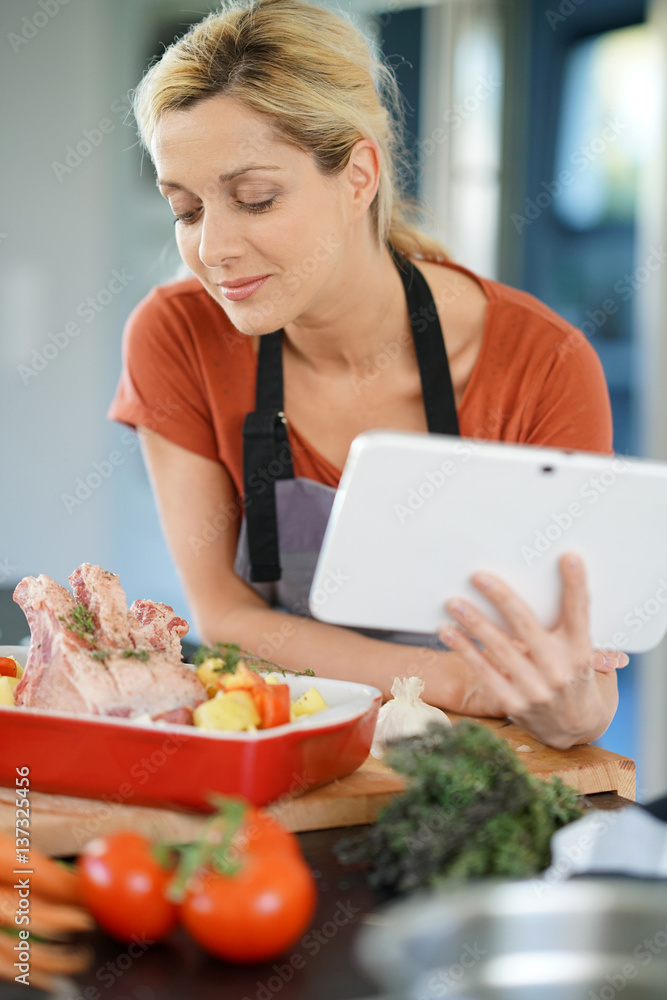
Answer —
319 967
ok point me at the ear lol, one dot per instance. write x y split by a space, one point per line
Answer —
363 175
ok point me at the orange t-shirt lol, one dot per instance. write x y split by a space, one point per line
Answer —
189 375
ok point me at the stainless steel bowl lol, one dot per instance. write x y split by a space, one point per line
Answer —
588 939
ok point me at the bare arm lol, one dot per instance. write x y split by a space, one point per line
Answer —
201 518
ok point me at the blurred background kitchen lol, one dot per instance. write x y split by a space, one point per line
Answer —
538 131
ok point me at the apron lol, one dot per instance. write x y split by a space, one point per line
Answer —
285 517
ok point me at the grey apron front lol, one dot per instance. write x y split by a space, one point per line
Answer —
285 517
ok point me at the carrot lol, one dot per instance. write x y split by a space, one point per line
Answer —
43 980
59 958
47 919
48 878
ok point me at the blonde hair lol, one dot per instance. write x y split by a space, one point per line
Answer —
313 75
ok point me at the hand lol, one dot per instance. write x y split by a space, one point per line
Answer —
546 680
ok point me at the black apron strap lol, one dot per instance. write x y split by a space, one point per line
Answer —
436 379
266 458
266 451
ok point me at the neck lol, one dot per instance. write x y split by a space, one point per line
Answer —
362 308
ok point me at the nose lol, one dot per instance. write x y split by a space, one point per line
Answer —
219 237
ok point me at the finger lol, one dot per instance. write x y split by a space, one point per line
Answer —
500 649
604 661
622 659
517 614
499 688
518 645
574 617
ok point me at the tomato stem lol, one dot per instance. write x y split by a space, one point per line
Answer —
215 849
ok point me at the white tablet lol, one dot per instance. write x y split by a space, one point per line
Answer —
415 515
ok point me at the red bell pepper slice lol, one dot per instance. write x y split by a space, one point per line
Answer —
8 667
273 704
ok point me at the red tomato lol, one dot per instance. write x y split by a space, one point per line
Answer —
8 667
123 886
273 704
262 834
255 914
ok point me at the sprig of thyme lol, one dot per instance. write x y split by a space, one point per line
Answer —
80 621
139 654
229 654
103 654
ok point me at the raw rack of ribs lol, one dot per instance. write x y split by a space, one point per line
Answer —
89 653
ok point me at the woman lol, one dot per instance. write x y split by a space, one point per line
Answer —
316 311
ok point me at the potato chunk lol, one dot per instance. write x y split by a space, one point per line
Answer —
208 673
7 685
235 710
309 703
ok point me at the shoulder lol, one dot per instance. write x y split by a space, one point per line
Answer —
172 296
508 321
522 313
536 336
180 309
536 378
180 375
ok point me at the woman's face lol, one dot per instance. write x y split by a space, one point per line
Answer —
250 206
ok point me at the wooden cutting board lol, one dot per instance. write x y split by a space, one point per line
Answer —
60 825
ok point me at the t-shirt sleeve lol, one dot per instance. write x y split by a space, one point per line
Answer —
570 407
161 385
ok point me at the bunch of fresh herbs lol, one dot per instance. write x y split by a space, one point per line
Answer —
471 809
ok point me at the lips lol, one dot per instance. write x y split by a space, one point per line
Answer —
242 288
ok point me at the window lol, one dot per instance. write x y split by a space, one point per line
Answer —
608 126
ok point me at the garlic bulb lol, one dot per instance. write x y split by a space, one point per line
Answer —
405 714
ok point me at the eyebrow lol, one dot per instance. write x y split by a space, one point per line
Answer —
223 178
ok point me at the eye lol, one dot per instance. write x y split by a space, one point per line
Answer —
187 218
257 206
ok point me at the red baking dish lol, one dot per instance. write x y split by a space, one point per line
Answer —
172 766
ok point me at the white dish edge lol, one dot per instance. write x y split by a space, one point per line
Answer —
346 711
